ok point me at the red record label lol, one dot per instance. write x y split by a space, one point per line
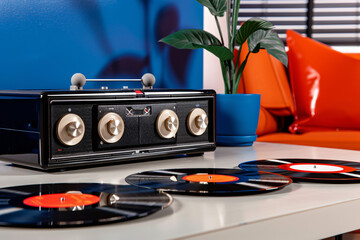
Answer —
212 178
61 200
316 168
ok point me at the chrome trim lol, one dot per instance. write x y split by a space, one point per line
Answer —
18 130
130 94
173 93
128 99
135 151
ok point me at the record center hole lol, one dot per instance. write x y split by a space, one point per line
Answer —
61 200
212 178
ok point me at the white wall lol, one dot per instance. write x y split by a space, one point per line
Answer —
212 71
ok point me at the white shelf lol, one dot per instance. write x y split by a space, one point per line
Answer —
299 211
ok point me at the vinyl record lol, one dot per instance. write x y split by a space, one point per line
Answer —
209 181
315 170
66 204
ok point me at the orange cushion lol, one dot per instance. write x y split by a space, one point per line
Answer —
265 75
355 55
267 123
325 84
331 139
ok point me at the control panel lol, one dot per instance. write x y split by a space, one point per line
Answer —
82 128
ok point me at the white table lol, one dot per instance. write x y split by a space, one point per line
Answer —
299 211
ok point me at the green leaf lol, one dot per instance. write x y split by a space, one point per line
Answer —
249 27
196 38
216 7
221 52
190 38
255 39
271 42
256 49
275 47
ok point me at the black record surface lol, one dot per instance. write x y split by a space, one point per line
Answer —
339 171
117 203
220 181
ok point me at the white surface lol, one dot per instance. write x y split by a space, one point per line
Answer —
299 211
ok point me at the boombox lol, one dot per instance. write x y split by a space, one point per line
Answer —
54 129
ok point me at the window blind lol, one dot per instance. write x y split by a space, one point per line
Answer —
336 22
333 22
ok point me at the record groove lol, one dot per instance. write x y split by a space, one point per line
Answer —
66 204
315 170
209 181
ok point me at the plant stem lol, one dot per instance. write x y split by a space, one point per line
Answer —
228 13
238 58
218 26
229 77
225 77
234 19
229 68
232 73
239 72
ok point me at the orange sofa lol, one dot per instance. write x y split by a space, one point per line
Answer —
319 106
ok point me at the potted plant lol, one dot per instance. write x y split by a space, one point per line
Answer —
237 114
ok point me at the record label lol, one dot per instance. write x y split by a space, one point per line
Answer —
61 200
80 204
213 178
209 181
315 170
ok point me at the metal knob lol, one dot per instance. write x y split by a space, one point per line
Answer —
202 121
171 124
167 124
114 127
111 127
74 129
70 129
197 121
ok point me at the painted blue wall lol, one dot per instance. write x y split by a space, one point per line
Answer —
42 43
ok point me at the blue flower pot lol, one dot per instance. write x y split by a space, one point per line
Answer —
237 117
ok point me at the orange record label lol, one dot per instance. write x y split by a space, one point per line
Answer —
212 178
61 200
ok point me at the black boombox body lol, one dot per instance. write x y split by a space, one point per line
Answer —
53 129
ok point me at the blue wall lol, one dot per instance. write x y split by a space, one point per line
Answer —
42 43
